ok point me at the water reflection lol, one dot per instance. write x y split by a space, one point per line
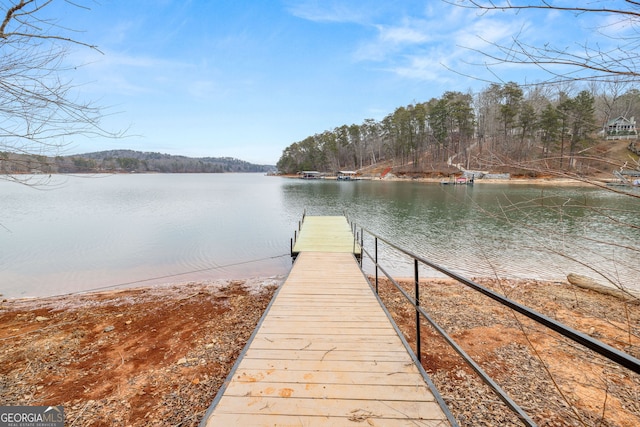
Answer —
88 233
508 230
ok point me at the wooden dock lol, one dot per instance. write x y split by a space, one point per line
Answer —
325 234
326 354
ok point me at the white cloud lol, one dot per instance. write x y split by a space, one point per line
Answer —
402 35
118 33
421 68
434 50
330 11
617 26
488 31
392 39
124 74
116 59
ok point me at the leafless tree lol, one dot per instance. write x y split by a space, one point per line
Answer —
612 56
41 109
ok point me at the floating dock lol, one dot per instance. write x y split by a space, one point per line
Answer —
325 234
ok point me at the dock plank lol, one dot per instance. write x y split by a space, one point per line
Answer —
330 354
370 408
262 376
389 367
356 419
335 391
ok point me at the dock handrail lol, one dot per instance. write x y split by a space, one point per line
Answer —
295 232
613 354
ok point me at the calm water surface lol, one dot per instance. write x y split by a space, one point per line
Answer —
82 233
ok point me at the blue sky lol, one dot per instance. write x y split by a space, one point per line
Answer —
247 78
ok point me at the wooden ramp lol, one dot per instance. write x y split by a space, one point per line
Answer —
326 354
325 234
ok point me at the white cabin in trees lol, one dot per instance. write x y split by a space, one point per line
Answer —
621 128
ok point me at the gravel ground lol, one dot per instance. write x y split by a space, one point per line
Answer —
557 382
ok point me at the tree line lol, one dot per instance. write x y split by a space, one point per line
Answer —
121 161
503 123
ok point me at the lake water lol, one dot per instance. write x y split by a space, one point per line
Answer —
85 233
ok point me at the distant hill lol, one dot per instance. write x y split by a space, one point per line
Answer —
137 161
125 161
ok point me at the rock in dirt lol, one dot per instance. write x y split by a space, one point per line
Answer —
591 284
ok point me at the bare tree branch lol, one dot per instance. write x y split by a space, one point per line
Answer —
490 5
41 109
576 61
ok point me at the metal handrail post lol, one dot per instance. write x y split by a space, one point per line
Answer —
361 245
375 239
355 240
417 294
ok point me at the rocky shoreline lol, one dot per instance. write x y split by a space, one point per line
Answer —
157 356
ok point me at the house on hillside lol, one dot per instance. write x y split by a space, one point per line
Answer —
621 128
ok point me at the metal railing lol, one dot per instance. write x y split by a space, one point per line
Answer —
613 354
294 239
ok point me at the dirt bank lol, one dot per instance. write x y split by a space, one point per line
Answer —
157 356
137 357
557 382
